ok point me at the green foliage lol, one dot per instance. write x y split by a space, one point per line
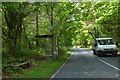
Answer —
44 69
72 23
68 18
99 18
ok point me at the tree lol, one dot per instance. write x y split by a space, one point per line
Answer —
14 14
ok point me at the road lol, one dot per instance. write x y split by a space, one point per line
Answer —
83 64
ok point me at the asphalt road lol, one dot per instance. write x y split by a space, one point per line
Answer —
83 64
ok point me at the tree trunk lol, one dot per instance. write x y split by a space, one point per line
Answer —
118 29
19 32
12 43
96 33
53 48
37 43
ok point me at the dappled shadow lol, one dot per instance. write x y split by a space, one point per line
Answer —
78 50
81 50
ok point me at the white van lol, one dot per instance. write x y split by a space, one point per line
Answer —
105 46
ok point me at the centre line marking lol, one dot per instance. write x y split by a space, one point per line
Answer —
109 65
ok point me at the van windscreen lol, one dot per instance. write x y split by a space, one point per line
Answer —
105 42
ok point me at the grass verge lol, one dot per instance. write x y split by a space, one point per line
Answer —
44 69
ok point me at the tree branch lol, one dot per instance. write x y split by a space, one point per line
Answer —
5 15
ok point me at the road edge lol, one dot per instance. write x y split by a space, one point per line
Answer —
60 67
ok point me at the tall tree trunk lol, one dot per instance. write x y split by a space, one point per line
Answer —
14 34
118 29
28 44
37 43
12 43
19 32
96 33
10 24
53 40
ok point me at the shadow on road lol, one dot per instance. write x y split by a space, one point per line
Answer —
80 49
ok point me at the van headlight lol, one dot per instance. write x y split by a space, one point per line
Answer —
114 48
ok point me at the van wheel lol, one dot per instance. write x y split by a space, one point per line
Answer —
114 55
99 55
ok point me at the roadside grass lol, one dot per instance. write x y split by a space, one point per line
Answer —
44 69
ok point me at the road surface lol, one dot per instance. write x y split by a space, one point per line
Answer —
83 64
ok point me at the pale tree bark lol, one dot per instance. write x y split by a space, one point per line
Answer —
37 29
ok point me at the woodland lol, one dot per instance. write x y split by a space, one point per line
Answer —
44 31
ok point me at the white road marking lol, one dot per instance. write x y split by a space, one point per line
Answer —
60 67
109 65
